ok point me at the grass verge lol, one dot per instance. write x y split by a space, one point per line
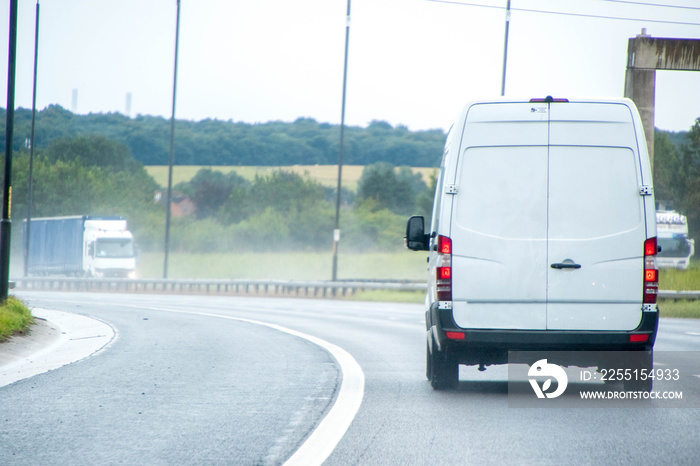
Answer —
402 265
15 318
388 296
681 280
683 308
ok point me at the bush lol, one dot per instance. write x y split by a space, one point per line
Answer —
371 227
15 317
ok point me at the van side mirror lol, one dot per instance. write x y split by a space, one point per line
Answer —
416 239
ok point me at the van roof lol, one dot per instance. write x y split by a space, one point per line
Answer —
548 99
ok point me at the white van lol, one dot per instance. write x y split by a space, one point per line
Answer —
543 236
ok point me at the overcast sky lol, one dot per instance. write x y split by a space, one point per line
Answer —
411 62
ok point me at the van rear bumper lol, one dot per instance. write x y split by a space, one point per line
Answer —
484 346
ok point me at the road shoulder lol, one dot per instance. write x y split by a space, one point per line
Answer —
58 338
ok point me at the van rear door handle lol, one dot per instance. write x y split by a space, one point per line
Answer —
565 265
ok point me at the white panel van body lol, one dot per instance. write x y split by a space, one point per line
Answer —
543 234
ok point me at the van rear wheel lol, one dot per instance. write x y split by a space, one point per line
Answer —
441 369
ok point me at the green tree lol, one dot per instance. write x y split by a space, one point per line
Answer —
689 179
392 189
667 166
282 191
369 226
210 190
425 199
293 211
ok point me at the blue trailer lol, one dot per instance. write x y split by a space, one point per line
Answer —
79 245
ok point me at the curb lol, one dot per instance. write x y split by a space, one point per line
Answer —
62 338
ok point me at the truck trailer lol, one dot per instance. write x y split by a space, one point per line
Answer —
80 245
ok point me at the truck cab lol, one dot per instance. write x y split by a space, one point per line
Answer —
109 249
676 247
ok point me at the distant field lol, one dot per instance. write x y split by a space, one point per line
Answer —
402 265
327 175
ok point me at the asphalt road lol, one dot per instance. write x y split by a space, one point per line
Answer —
181 387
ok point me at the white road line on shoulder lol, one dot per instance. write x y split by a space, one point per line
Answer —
323 440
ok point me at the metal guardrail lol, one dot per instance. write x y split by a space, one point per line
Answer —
679 295
318 288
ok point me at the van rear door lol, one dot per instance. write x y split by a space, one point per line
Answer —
596 218
499 218
548 224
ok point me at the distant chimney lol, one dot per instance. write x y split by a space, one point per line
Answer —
128 104
74 101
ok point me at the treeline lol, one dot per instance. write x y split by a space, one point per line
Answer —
215 142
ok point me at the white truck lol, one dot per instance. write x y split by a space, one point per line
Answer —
676 247
80 246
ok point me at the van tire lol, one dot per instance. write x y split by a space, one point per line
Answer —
441 369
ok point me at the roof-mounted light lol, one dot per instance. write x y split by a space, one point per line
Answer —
548 100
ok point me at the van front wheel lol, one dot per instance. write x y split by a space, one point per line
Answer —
441 369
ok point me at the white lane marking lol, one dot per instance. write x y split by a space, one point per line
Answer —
323 440
81 337
695 334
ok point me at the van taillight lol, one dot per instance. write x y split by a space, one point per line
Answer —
651 272
444 269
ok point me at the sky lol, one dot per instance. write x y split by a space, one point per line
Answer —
414 63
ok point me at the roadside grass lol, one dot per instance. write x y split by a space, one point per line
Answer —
15 318
401 265
389 296
683 308
680 280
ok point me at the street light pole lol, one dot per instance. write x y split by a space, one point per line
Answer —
169 197
505 50
30 196
336 231
6 225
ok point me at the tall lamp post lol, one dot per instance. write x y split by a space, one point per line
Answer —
505 50
169 197
30 196
336 231
6 225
